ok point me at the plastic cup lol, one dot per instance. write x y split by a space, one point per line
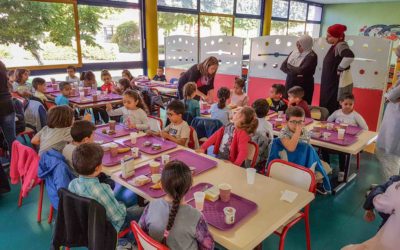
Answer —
326 135
154 167
54 86
199 200
230 213
95 96
280 114
329 126
165 159
251 175
155 178
340 134
112 124
133 137
135 152
225 192
114 150
278 122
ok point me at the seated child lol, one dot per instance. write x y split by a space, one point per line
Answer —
123 85
191 105
220 110
89 80
57 132
170 220
160 75
39 84
265 128
178 130
132 112
62 99
71 77
275 99
86 160
11 78
127 75
108 84
230 141
21 85
238 97
296 95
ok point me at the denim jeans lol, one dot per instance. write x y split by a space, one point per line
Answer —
7 124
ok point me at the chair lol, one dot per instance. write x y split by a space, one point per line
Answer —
155 123
319 113
155 108
205 127
193 142
252 153
173 80
144 241
49 104
298 176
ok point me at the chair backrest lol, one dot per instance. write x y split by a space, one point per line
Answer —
205 127
292 174
319 113
155 123
49 104
193 142
144 241
252 153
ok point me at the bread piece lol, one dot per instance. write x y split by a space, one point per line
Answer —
123 150
156 186
140 180
212 194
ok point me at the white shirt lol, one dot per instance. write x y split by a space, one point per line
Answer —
265 128
353 118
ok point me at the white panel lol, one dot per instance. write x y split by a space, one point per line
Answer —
228 50
267 55
181 51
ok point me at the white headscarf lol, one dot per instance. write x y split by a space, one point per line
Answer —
296 58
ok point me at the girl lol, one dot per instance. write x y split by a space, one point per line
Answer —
108 84
132 112
230 141
123 85
238 97
220 110
57 133
127 75
191 105
11 76
89 80
21 85
170 220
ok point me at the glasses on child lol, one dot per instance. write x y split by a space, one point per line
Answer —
296 122
169 114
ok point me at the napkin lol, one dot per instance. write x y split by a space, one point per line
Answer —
288 196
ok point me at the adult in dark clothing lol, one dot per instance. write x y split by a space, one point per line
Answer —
7 112
336 61
203 75
300 67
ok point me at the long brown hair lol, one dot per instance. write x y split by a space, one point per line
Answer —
128 73
19 73
176 180
60 117
223 95
250 122
189 89
137 97
203 66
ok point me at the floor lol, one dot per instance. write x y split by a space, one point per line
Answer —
335 220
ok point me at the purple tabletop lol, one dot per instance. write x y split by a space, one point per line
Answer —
165 144
197 161
100 98
350 130
333 138
213 211
109 161
273 118
120 130
51 90
205 111
102 139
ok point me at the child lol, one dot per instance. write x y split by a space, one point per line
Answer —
191 105
230 141
123 85
275 100
132 112
160 75
261 108
178 131
238 97
86 160
57 132
21 85
71 77
220 110
108 84
170 220
62 99
11 77
296 94
39 84
294 131
127 75
89 80
347 114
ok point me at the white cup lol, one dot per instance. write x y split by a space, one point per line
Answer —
329 126
135 152
326 135
280 114
340 134
199 200
230 213
165 159
155 178
133 137
251 175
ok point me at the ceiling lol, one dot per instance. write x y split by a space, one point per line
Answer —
351 1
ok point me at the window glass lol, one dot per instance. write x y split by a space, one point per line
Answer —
296 28
298 11
280 8
314 13
188 4
252 7
278 28
247 28
215 26
127 1
217 6
312 29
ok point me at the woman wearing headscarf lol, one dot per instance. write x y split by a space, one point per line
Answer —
203 75
336 63
300 67
7 111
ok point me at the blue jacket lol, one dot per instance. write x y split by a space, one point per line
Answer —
304 155
53 169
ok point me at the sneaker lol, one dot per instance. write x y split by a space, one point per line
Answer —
340 177
321 189
124 244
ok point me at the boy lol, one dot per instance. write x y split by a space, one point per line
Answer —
160 75
261 108
86 160
178 131
294 131
62 99
296 94
275 100
71 77
39 84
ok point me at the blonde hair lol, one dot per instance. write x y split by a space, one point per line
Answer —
250 122
203 66
189 89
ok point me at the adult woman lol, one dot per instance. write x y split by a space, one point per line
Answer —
336 61
7 112
300 67
203 75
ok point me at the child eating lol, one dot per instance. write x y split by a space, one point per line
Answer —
108 84
62 99
238 97
296 95
275 100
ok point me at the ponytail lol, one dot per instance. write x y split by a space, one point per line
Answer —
223 95
171 218
250 121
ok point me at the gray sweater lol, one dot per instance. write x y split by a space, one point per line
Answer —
137 117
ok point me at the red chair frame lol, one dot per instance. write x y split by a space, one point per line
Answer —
139 233
254 160
158 119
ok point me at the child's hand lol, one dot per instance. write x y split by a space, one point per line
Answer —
132 125
199 150
299 128
369 215
165 135
87 117
108 107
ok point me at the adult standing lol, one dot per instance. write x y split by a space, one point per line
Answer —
203 75
7 112
300 67
388 146
336 62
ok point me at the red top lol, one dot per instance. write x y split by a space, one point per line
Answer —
303 104
107 87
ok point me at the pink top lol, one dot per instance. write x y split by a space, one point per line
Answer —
239 100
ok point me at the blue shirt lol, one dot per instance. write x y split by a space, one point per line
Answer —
192 106
220 114
61 100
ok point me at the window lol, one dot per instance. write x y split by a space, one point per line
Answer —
313 29
296 28
298 11
216 26
186 4
280 8
217 6
278 27
34 33
250 7
247 28
314 13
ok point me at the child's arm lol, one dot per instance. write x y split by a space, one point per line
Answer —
332 117
144 121
204 239
210 141
180 141
113 112
245 101
291 144
36 139
115 211
242 148
143 222
360 121
385 202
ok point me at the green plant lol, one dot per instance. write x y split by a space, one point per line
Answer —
127 37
